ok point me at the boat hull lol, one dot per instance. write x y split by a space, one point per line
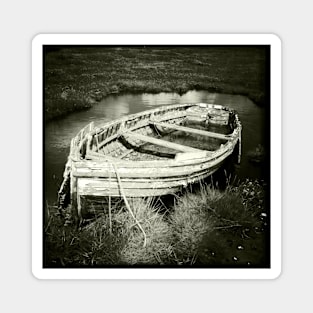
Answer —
142 181
99 163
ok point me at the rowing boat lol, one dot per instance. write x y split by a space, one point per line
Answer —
151 153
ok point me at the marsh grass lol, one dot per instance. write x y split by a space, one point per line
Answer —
77 77
203 228
159 235
70 246
203 222
190 222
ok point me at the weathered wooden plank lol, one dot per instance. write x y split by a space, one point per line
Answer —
101 187
162 143
148 180
133 193
100 156
191 155
98 184
126 153
168 163
105 170
191 130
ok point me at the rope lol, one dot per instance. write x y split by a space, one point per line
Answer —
127 204
123 195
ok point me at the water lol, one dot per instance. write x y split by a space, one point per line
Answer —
59 133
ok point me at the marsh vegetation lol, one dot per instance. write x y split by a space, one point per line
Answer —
78 77
204 228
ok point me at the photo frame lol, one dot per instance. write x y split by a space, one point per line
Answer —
39 154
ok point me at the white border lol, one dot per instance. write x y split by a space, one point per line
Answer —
162 39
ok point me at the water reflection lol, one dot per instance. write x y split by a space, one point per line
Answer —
198 96
162 98
165 98
113 111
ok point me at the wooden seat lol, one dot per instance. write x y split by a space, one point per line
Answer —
160 142
191 130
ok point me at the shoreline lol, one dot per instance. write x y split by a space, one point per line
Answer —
77 78
77 108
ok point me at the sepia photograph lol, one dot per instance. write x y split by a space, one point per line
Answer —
156 156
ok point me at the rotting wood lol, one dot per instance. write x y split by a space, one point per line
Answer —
191 155
162 143
144 191
139 125
104 170
126 153
132 193
169 163
101 156
86 185
191 130
147 180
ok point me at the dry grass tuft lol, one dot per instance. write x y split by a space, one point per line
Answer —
158 232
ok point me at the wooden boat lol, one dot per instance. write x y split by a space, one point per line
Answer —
150 153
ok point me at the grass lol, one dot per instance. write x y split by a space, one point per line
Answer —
206 228
78 77
158 247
